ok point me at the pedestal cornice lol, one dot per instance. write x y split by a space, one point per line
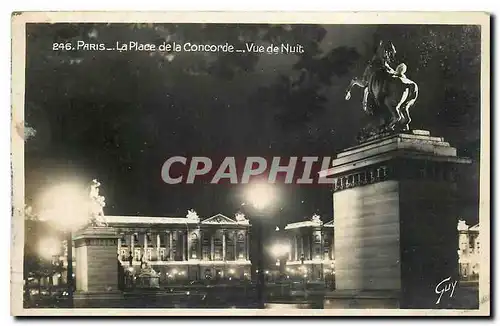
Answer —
393 156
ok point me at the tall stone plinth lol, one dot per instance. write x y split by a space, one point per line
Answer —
96 268
395 215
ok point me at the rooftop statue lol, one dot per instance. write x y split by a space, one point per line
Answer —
192 215
240 217
388 94
316 219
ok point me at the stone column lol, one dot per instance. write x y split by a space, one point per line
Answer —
296 245
188 244
145 246
302 251
132 242
247 245
96 268
165 244
224 245
158 245
212 246
183 244
235 244
199 250
200 244
119 250
171 245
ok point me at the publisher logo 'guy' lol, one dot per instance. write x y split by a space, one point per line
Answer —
446 285
233 170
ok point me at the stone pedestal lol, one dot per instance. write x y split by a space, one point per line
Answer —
96 268
395 219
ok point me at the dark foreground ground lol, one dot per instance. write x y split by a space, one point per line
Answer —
234 297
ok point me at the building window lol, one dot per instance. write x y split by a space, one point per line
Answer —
163 254
124 254
230 237
149 254
137 254
218 245
240 246
194 246
205 242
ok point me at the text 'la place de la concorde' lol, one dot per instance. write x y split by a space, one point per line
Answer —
281 48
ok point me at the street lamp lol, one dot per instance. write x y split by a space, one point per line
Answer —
261 198
66 206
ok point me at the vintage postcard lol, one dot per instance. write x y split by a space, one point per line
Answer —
321 164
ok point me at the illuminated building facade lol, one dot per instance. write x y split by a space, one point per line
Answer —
468 250
187 248
311 253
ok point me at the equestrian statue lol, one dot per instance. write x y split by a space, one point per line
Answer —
388 94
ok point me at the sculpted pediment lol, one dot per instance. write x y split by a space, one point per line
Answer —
219 219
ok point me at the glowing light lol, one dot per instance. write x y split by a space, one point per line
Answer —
49 248
267 272
66 205
260 195
231 271
280 249
174 271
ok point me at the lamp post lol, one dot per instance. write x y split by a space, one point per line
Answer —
50 248
66 206
260 197
280 251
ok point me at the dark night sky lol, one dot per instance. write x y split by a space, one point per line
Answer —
117 116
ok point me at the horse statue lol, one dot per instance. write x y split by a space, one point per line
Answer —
388 93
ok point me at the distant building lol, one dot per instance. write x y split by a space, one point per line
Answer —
469 250
311 249
185 248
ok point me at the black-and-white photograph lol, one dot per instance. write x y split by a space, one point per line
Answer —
281 167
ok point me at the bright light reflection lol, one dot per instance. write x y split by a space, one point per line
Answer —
261 195
48 248
280 249
66 205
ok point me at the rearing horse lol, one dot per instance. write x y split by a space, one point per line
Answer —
386 89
